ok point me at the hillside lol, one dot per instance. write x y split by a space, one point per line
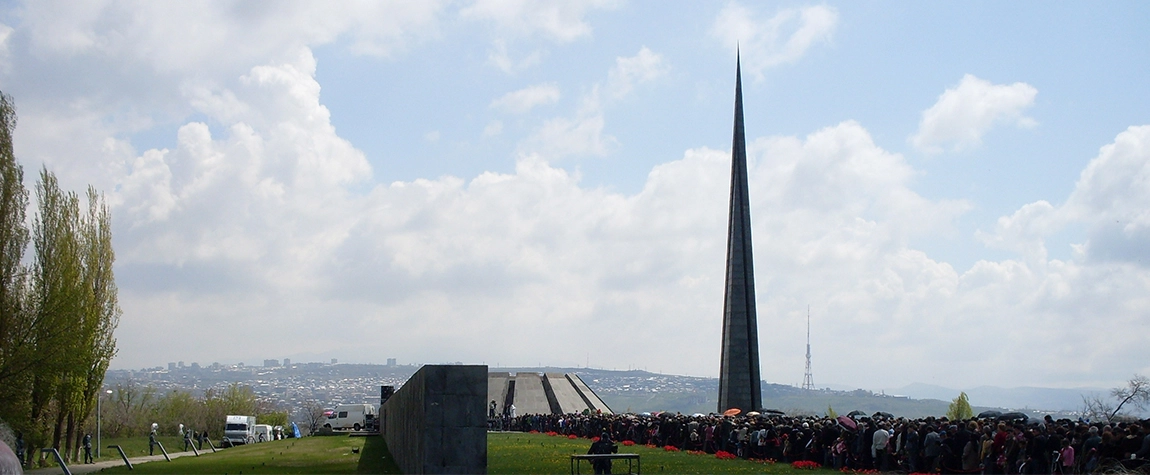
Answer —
642 391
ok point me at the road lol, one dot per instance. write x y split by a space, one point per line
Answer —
95 467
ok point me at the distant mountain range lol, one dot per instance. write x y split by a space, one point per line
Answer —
1042 399
641 391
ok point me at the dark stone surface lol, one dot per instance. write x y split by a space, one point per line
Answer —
739 378
437 422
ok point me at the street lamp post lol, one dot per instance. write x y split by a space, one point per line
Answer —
98 398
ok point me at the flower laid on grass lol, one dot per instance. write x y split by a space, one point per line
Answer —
552 433
628 443
533 432
869 471
766 461
594 439
651 446
696 452
723 454
806 465
572 436
670 448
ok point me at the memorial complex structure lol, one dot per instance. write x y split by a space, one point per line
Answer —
542 393
739 380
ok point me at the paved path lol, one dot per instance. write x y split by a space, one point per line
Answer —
94 467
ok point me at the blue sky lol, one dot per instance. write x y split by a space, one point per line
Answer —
518 183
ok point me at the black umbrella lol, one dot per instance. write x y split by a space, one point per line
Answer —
856 414
1014 416
774 411
989 414
883 414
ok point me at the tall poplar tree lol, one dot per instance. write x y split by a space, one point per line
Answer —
58 315
16 355
57 276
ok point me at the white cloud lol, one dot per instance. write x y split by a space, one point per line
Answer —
1105 283
645 66
500 57
780 39
234 197
249 32
5 35
523 100
582 134
134 65
1113 197
560 21
562 137
259 217
965 113
1025 231
493 128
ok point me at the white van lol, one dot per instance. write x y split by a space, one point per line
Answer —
350 416
263 432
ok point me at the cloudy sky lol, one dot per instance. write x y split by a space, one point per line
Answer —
958 191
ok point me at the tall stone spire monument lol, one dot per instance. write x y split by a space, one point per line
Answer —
739 381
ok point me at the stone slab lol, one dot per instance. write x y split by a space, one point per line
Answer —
497 390
565 394
437 422
529 395
596 402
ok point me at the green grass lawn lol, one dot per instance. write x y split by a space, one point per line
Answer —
516 453
507 453
334 454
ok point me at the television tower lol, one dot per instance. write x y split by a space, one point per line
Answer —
808 381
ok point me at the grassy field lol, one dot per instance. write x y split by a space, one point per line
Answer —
519 453
337 454
507 453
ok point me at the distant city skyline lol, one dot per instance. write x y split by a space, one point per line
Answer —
957 190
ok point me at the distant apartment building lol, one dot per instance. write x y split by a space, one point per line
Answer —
334 361
171 366
391 362
271 363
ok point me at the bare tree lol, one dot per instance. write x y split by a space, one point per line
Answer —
312 414
1095 407
1136 393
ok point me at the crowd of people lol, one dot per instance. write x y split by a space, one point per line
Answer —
879 442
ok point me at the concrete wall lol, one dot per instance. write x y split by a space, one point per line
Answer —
565 394
593 399
497 390
530 398
437 422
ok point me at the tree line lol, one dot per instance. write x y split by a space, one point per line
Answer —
58 308
131 409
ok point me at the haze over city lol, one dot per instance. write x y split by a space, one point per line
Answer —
958 191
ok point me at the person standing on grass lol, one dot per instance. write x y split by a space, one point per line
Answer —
152 442
88 448
20 447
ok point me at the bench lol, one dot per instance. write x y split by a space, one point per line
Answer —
576 459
